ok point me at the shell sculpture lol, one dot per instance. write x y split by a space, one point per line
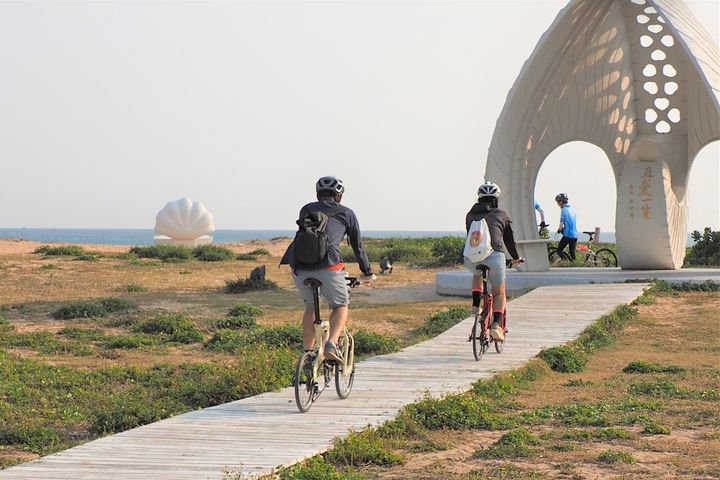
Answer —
184 222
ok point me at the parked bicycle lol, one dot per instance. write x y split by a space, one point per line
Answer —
480 334
604 257
314 372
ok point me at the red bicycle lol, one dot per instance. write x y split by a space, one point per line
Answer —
480 335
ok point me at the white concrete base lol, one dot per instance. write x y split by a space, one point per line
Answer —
535 253
163 240
458 282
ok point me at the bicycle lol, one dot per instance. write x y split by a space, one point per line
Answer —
313 372
480 334
603 257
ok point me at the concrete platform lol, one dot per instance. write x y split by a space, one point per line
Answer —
457 283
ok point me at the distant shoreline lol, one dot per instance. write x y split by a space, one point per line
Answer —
130 236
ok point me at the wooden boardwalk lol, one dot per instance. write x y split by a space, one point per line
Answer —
254 435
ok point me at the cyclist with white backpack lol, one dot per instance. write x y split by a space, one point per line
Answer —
489 233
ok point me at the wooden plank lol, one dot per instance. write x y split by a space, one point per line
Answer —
257 434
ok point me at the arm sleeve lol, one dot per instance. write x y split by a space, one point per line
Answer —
509 240
356 244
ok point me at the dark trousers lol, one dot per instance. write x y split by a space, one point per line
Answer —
567 241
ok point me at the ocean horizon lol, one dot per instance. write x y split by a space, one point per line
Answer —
140 236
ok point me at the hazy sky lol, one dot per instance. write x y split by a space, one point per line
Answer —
108 110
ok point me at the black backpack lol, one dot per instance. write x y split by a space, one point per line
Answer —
311 240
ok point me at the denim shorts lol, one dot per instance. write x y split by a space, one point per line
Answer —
334 289
495 262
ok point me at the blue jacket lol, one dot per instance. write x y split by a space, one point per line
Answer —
567 218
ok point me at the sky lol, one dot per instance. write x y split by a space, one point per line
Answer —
109 110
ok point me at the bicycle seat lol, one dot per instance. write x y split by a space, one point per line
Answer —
482 268
312 282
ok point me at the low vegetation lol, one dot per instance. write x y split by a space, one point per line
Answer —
705 251
101 307
428 251
243 285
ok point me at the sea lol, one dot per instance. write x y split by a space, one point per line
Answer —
118 236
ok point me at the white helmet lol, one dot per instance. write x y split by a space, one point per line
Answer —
330 184
488 189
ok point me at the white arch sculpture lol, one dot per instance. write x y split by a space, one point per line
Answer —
641 80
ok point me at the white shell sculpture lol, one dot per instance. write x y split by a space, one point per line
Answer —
184 222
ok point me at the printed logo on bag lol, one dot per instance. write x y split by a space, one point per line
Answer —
475 238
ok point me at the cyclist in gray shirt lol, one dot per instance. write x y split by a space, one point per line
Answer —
501 238
331 269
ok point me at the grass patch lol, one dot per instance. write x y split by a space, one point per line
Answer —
641 366
166 253
84 334
652 428
46 343
49 266
245 310
564 359
362 448
174 327
370 343
231 341
614 456
514 444
441 321
457 412
213 253
60 251
101 307
235 323
134 288
130 342
316 468
242 285
601 434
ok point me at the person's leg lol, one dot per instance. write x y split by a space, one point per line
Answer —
477 286
308 327
496 262
562 244
572 242
338 320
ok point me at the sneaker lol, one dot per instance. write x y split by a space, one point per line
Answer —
474 310
308 369
332 352
496 332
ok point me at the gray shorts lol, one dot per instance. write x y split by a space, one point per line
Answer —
495 262
333 289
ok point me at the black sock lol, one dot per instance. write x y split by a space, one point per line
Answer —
497 317
476 298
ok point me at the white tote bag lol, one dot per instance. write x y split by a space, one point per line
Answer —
477 243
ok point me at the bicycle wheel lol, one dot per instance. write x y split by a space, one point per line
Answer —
555 257
605 258
343 382
304 382
478 335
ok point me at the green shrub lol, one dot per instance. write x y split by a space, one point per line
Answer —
652 428
370 343
100 307
245 310
282 336
513 444
441 321
448 251
178 328
706 250
242 285
641 366
602 434
236 323
362 448
613 456
213 253
88 257
659 389
166 253
316 469
129 342
61 251
259 251
46 343
246 256
564 359
458 412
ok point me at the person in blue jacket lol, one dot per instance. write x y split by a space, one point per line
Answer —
567 225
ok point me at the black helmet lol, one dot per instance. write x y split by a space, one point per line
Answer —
561 197
330 184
